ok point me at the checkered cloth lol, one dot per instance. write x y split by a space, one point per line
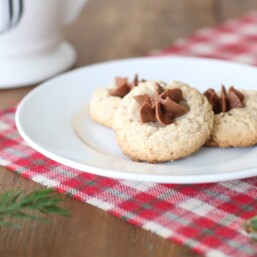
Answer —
236 40
207 218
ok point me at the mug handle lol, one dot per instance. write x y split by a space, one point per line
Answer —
10 14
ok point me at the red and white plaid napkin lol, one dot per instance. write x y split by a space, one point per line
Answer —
207 218
235 40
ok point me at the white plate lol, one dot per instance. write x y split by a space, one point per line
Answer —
44 120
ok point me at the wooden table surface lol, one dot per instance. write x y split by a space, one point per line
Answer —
108 30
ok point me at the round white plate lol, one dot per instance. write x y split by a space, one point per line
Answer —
44 119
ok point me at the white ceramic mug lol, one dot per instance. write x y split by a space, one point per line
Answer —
34 49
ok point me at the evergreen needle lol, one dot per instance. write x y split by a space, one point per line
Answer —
250 226
16 204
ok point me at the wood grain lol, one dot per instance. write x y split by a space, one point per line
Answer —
108 30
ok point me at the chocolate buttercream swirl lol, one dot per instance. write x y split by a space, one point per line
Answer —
163 107
123 86
226 101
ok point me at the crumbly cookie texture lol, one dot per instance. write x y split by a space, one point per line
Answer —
237 127
153 142
103 105
105 101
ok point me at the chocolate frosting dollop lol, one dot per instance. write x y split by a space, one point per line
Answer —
226 101
123 86
163 107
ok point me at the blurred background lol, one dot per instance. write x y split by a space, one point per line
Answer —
117 29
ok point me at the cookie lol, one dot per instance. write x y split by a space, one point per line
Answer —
103 105
105 101
163 136
236 124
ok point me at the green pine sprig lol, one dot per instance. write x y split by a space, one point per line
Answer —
250 227
17 204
